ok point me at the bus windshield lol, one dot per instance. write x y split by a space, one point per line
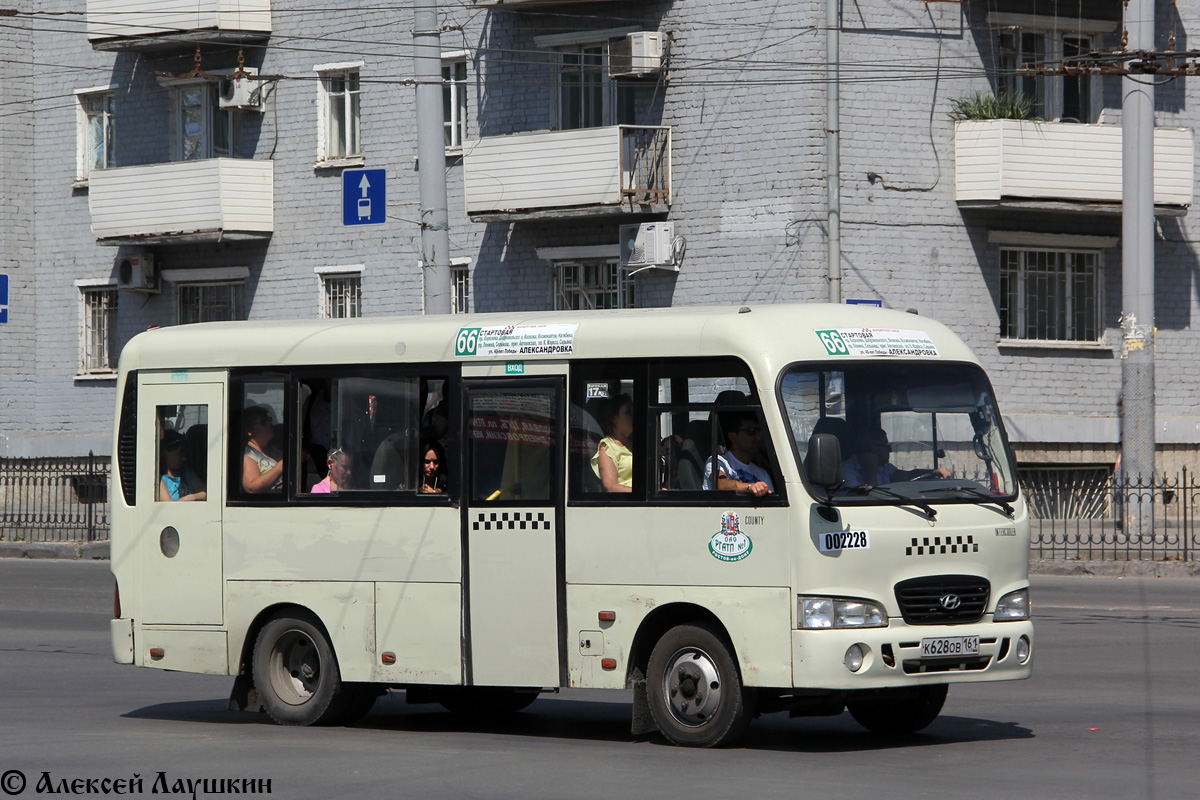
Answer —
908 431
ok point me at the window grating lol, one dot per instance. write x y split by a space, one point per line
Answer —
1051 295
209 302
343 297
99 350
592 285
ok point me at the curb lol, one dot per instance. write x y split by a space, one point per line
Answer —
65 550
1116 569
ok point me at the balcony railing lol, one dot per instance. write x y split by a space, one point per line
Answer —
615 169
144 24
215 199
1020 160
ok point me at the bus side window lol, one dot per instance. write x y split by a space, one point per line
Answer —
258 437
606 446
182 453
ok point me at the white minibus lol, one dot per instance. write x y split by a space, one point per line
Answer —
730 511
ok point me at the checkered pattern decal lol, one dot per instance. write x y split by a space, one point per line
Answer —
512 521
940 545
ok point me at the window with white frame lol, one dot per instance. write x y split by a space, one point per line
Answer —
454 99
341 295
98 331
339 112
1050 294
204 129
210 302
460 294
96 132
592 284
1024 40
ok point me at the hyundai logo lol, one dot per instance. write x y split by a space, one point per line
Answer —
949 601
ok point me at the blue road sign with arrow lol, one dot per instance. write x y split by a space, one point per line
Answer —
364 197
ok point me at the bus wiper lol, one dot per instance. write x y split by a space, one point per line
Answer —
975 491
900 499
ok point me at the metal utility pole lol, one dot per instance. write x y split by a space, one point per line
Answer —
431 156
833 147
1137 253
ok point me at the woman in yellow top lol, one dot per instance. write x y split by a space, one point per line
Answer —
613 461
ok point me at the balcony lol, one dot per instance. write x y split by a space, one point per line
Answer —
615 170
156 24
214 200
1064 166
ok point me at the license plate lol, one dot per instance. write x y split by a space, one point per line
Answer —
949 646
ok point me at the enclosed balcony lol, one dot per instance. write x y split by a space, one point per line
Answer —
156 24
614 170
1065 166
212 200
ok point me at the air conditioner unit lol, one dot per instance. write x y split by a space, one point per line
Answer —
648 244
135 273
637 55
242 93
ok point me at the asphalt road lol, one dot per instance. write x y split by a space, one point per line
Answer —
1111 712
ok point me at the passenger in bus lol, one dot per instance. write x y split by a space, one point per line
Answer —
870 465
736 467
261 470
317 426
433 468
338 464
613 460
178 481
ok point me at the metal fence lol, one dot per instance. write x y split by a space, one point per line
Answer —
1090 520
54 499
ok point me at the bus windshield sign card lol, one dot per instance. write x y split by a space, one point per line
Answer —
516 340
874 342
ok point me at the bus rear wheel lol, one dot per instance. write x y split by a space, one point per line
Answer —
694 690
295 672
899 712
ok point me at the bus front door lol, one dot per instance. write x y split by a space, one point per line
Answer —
180 494
512 518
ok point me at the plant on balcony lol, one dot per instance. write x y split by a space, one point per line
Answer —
1005 105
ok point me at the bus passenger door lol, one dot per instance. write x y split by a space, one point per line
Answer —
180 495
512 542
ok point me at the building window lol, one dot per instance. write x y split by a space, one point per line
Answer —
454 101
1050 294
339 113
98 339
210 302
592 285
342 296
205 129
460 293
97 133
1069 98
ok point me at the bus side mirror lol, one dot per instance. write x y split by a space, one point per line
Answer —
824 461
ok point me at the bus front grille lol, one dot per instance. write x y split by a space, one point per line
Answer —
943 599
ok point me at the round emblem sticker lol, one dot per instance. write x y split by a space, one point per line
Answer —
729 543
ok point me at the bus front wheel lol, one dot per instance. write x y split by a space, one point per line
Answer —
899 712
295 672
694 690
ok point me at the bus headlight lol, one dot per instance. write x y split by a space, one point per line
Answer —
1013 606
839 612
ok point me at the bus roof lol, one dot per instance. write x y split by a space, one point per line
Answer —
773 335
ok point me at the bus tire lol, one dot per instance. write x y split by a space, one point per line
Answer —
295 672
694 689
899 712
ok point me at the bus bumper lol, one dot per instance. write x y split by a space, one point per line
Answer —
891 656
121 632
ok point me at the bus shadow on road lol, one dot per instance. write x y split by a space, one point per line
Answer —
554 718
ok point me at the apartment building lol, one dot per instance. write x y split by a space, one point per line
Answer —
164 163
